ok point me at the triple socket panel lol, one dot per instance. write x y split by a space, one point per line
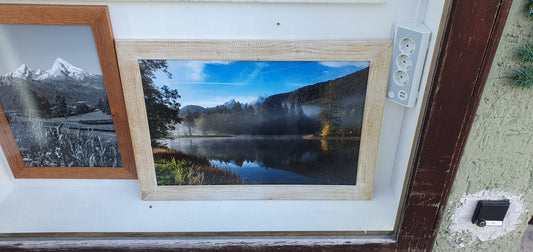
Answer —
408 56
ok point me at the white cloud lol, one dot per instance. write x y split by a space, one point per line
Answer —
218 62
345 63
195 69
210 83
257 71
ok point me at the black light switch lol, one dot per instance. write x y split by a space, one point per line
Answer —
490 212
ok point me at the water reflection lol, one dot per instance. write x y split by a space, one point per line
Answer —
255 173
278 159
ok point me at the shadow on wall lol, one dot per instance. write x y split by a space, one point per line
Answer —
527 241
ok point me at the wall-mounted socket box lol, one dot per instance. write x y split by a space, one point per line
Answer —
408 55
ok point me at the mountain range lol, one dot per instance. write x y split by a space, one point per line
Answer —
255 103
61 71
348 92
228 104
62 80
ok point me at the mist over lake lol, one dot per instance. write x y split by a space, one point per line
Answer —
255 122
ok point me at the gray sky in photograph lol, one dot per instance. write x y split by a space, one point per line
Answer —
38 46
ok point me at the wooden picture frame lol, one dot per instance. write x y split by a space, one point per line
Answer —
97 18
378 53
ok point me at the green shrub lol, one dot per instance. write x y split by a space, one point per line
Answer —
526 55
524 78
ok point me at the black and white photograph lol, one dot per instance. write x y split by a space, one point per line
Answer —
53 94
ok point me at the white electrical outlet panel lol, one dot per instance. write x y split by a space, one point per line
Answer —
408 56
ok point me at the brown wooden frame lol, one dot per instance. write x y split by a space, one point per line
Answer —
451 104
98 18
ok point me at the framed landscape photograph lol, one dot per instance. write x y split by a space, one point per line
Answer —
255 119
62 112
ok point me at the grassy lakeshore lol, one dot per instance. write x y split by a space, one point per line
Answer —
177 168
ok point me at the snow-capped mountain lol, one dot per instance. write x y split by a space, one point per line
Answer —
61 71
229 104
257 102
61 81
22 72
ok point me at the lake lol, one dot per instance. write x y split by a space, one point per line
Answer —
278 159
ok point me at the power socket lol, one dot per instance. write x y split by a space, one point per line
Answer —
408 55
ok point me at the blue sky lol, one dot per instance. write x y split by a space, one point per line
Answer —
211 83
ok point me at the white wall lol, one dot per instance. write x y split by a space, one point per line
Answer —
107 205
6 177
257 21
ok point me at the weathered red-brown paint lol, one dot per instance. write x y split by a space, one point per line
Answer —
469 44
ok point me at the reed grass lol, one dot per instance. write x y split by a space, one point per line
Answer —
177 168
60 146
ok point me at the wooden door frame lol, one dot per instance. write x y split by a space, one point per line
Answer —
469 43
469 40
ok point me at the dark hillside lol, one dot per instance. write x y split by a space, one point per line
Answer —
351 85
348 93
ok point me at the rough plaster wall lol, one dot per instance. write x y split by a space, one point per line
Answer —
498 158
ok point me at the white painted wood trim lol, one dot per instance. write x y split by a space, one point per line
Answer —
189 243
